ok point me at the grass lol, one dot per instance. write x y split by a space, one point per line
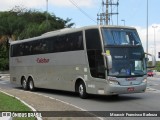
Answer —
8 103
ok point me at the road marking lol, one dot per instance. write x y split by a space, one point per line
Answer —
149 89
155 84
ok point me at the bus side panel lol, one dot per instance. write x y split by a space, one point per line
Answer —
54 70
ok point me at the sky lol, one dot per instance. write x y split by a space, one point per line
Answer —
84 13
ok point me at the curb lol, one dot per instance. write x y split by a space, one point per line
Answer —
38 118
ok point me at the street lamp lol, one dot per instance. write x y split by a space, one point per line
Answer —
147 31
123 22
154 27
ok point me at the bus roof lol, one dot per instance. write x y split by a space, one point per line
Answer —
68 30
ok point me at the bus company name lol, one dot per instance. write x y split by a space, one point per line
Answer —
42 60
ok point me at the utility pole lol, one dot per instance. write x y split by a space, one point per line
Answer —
106 16
100 18
147 32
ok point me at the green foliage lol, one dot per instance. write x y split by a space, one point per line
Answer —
4 62
10 24
8 103
158 66
36 22
20 23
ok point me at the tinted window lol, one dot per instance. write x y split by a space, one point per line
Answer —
120 37
93 39
63 43
94 52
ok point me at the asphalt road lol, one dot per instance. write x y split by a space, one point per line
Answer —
148 101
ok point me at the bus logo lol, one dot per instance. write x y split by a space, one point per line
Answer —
42 60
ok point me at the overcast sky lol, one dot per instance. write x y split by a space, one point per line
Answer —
132 11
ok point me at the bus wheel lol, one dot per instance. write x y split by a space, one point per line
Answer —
24 84
31 84
82 90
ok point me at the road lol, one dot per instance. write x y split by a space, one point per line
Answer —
148 101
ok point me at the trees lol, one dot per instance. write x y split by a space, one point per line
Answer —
157 66
20 23
4 62
35 23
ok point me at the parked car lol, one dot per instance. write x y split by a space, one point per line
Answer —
150 73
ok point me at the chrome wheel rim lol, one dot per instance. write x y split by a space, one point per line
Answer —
24 84
81 89
31 85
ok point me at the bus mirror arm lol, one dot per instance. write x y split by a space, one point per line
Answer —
109 60
153 60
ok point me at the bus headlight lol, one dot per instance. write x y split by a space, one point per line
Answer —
113 82
144 81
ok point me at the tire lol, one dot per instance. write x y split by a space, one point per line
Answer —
31 84
24 84
82 90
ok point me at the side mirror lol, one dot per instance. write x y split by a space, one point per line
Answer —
153 60
109 60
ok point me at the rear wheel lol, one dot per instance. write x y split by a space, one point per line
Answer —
82 90
31 84
24 84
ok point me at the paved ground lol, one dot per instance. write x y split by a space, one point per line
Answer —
42 103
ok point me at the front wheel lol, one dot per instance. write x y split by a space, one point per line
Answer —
82 90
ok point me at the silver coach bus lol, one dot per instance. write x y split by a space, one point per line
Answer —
104 60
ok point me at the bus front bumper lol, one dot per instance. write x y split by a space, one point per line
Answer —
118 89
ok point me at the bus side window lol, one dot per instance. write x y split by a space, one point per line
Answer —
80 42
94 50
20 49
51 44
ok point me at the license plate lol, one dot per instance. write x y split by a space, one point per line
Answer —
131 89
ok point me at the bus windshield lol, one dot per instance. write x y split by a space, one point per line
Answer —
126 50
120 37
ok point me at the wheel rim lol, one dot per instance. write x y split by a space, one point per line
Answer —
24 84
31 85
81 89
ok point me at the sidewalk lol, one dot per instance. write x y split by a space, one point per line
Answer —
44 103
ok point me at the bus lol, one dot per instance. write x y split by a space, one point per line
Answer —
103 60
